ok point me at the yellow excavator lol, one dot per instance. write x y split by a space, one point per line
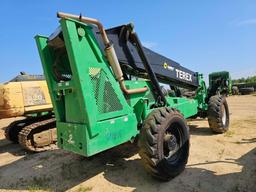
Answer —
28 96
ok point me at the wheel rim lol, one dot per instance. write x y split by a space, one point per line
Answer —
170 145
172 142
224 115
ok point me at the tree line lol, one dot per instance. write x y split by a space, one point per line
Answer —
251 79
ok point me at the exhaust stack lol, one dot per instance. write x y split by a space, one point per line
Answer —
109 51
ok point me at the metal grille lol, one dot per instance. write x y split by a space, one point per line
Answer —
105 96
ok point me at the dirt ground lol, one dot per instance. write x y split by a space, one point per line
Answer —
224 162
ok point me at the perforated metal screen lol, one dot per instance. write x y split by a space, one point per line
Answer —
105 96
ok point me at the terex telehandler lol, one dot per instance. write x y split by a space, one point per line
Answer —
105 90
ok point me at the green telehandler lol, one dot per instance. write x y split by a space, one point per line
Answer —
106 90
220 82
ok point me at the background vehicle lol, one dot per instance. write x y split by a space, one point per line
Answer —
220 82
28 96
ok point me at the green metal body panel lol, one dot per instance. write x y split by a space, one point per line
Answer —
201 94
187 107
82 126
92 113
142 102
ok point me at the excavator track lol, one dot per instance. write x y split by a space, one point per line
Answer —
39 136
12 130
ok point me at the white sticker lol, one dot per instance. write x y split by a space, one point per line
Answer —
70 139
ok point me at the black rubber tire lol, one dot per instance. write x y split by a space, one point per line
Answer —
235 90
215 113
152 144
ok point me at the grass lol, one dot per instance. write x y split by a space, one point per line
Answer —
35 188
40 184
229 133
84 189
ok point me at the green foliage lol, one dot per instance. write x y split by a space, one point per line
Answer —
84 189
251 79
